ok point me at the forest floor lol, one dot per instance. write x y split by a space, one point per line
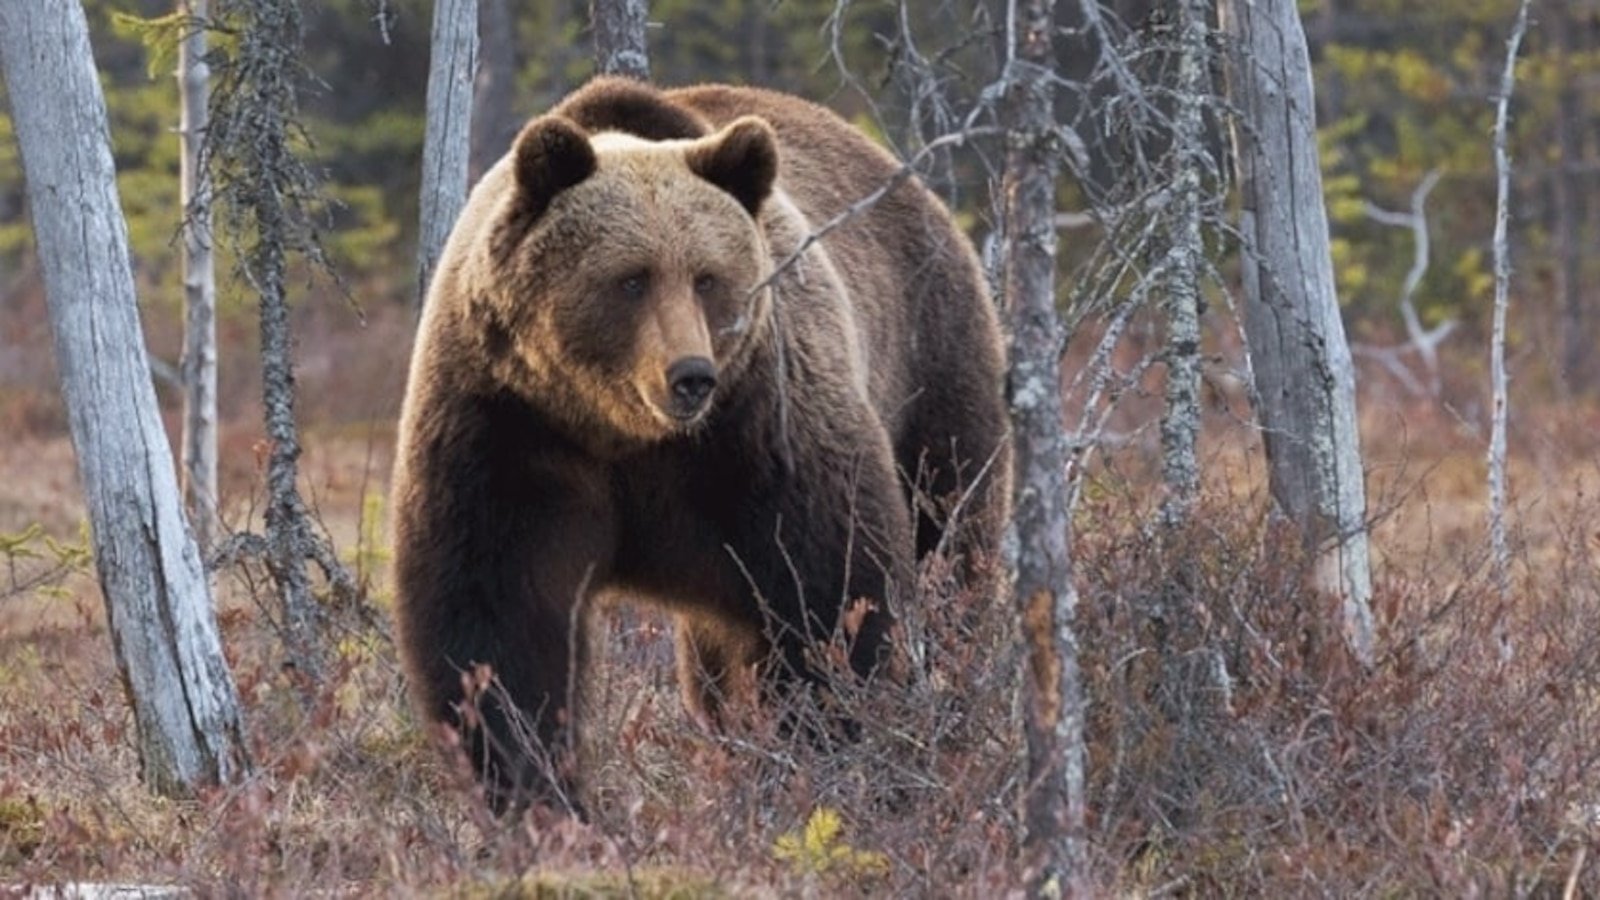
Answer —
1234 746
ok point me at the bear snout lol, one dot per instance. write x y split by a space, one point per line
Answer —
691 381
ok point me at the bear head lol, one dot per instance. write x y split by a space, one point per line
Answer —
629 276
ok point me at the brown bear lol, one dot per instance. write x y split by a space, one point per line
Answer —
640 374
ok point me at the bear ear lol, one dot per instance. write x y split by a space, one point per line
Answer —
550 155
742 159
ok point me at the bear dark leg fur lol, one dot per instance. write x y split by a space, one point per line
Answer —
496 554
830 562
522 751
958 468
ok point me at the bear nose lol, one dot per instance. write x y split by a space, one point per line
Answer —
692 380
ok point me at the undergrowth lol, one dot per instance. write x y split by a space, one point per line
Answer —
1235 747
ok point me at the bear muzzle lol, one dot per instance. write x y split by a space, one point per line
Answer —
690 382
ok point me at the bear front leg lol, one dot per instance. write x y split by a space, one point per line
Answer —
497 551
716 665
517 703
833 555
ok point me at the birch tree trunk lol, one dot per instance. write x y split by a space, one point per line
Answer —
1499 546
1303 375
447 144
186 709
1180 424
1052 703
199 364
619 37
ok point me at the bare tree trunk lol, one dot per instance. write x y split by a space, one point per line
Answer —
448 141
1052 702
288 531
492 124
265 187
186 708
1499 548
619 37
1303 376
1180 425
199 363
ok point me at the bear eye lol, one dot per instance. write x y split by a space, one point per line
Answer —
704 283
633 286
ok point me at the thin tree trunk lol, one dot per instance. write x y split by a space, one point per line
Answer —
1180 425
199 363
288 531
1499 547
265 186
186 709
619 37
492 124
1052 702
447 144
1303 376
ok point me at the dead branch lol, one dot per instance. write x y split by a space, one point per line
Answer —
1423 341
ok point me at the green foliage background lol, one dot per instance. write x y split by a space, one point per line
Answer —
1403 88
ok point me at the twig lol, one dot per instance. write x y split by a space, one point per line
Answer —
900 176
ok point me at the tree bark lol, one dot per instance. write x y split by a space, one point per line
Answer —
1052 703
186 709
1303 376
289 537
493 125
447 143
265 187
1180 423
1499 547
199 363
619 37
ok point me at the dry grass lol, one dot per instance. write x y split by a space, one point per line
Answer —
351 794
1235 749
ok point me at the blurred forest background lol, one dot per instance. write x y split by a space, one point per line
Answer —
1455 766
1402 88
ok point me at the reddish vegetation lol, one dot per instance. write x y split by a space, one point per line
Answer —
1234 746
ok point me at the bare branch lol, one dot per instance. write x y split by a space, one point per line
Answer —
1424 341
900 176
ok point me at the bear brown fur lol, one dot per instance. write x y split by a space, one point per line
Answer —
637 374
